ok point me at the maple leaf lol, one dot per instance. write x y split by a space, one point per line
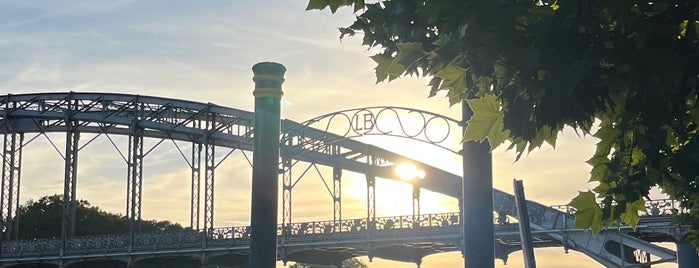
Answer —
588 213
486 122
631 217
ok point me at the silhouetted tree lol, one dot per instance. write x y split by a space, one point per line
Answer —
348 263
42 219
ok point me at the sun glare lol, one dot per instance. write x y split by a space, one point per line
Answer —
408 171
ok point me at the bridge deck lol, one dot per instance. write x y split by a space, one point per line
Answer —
401 238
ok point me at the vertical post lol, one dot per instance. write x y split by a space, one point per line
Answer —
196 189
209 170
135 179
686 255
12 162
370 204
371 195
337 198
209 174
268 78
286 192
477 201
416 205
70 178
525 233
287 176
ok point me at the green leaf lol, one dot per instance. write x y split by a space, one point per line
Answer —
588 213
631 217
334 4
486 122
453 77
346 31
383 62
455 96
408 54
484 83
599 172
434 86
602 188
637 156
607 136
597 160
317 4
358 5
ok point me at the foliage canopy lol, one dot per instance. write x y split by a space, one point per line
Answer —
530 68
42 219
348 263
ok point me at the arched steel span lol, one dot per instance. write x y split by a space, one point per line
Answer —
208 126
308 143
415 124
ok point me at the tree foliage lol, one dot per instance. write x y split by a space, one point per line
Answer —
348 263
532 67
42 219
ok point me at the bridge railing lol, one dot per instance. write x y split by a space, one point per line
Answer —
378 224
98 243
36 247
654 208
237 236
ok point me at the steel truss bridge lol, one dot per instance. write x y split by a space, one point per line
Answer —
209 127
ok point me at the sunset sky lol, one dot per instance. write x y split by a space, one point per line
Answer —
204 51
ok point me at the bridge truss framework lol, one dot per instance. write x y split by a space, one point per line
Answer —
208 126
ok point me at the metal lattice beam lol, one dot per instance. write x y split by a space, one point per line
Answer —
135 179
70 180
196 189
11 167
210 166
371 195
337 196
287 187
416 203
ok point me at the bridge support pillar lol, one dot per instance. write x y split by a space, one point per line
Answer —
134 184
286 192
686 255
337 197
268 78
370 204
371 197
70 180
209 170
477 201
196 189
11 164
416 205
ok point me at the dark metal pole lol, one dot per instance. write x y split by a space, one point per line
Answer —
268 77
525 233
477 201
686 255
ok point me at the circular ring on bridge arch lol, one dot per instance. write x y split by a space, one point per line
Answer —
368 121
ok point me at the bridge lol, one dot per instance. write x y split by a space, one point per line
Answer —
402 238
209 127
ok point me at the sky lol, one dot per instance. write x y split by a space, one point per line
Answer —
204 51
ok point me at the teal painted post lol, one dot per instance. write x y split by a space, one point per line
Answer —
686 255
477 201
268 77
